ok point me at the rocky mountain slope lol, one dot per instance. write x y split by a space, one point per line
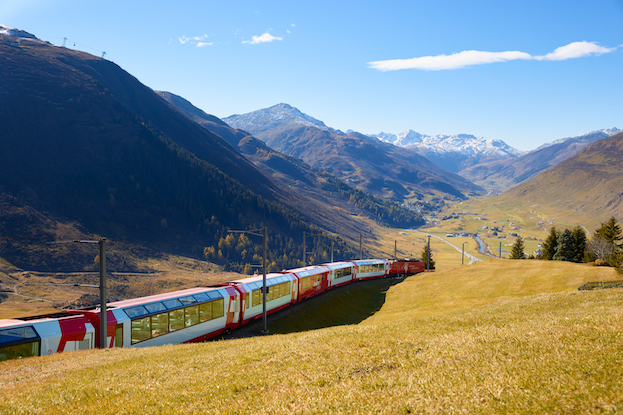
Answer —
452 152
379 168
588 183
84 142
329 202
506 173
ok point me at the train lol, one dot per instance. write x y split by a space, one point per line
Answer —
186 316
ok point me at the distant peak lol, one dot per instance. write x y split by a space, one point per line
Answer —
16 33
267 118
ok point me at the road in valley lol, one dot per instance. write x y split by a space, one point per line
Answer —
471 257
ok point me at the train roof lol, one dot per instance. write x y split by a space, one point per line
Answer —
339 265
271 279
311 270
165 296
369 261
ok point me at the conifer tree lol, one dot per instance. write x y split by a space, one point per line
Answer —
611 231
551 244
425 257
517 251
578 242
564 247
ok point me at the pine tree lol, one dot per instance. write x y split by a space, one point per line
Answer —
578 243
564 247
425 258
517 251
611 231
551 244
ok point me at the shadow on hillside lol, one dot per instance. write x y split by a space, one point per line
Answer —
349 304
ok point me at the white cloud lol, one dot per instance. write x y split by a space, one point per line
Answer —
575 50
202 44
196 40
265 38
475 57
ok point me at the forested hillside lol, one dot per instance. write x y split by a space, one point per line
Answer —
86 143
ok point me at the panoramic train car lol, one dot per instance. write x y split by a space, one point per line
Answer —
340 273
184 316
405 267
371 268
282 290
311 280
43 335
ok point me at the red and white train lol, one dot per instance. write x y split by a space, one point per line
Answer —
185 316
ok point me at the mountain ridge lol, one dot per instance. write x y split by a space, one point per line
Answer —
365 162
502 174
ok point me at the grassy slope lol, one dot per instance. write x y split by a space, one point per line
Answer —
503 336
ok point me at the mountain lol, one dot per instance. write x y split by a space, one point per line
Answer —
375 167
453 153
589 183
502 174
314 193
84 143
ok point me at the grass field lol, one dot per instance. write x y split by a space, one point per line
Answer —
495 337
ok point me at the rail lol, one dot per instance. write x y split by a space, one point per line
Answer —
600 285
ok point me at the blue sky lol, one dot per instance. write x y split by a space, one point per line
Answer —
526 72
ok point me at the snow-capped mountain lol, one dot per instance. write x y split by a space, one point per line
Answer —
454 152
266 119
365 162
16 33
584 139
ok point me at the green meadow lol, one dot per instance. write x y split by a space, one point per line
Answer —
499 336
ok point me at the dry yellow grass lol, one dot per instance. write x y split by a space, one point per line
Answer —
472 339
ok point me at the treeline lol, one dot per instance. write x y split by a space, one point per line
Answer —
243 252
385 211
604 248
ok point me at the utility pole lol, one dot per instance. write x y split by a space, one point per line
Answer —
265 331
463 254
304 253
395 249
103 309
500 250
332 244
265 244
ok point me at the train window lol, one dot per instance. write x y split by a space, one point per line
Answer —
202 297
136 311
218 308
119 335
305 283
176 319
172 303
17 334
341 273
141 329
205 312
257 297
371 268
187 300
18 351
159 324
191 315
155 307
215 294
